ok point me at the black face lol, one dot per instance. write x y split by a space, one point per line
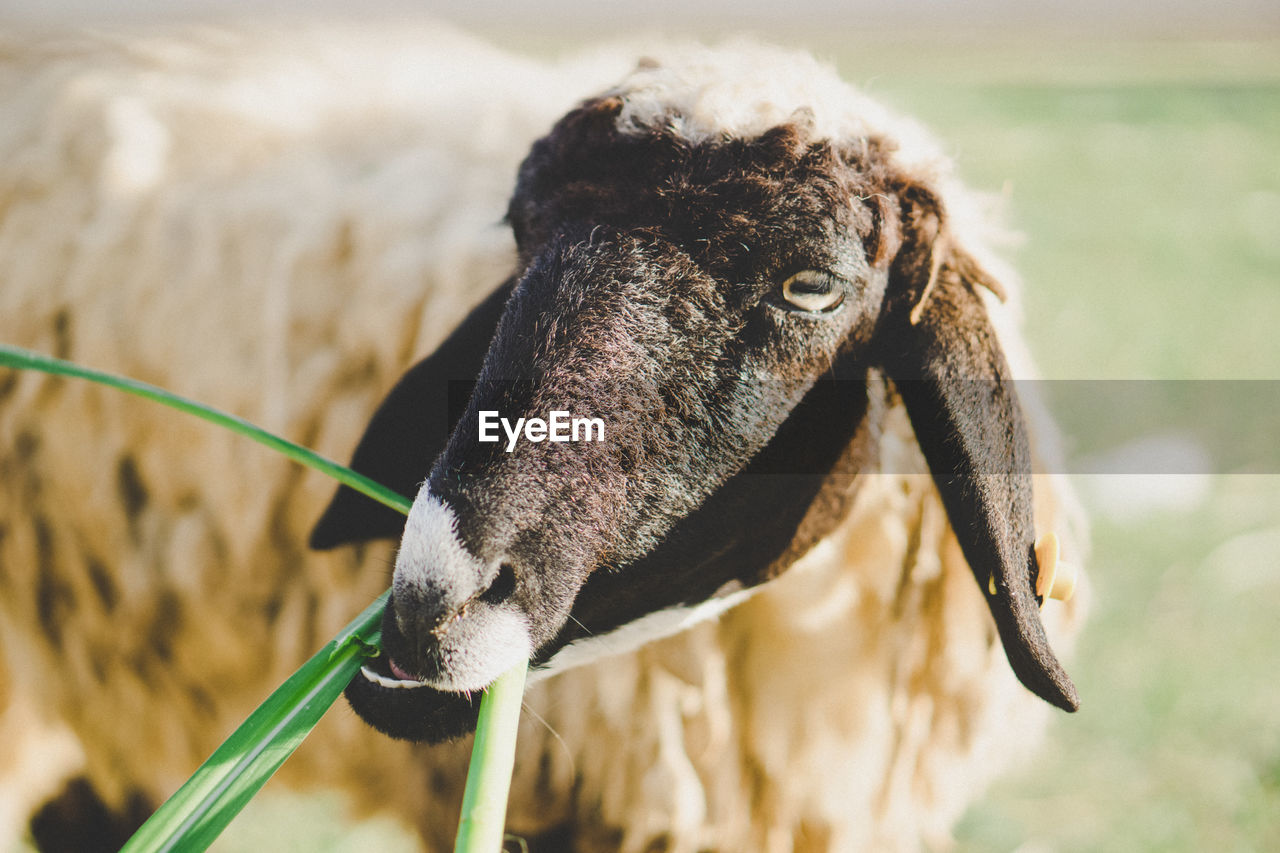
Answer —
718 308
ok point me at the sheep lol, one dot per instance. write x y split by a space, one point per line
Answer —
752 623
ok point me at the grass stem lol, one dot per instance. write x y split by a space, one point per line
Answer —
493 755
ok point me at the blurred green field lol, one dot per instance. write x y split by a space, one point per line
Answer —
1145 182
1150 209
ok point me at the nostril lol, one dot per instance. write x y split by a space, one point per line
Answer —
502 587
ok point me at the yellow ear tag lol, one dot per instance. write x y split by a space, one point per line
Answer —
1056 580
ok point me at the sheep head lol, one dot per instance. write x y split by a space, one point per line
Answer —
729 306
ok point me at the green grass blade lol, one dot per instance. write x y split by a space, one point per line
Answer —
194 816
18 358
493 756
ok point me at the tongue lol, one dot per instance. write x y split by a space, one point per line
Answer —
400 673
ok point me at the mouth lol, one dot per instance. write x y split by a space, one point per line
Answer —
395 678
403 707
430 690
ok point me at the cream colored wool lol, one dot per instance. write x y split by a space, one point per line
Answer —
278 222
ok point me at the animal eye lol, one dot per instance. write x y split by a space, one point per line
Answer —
813 290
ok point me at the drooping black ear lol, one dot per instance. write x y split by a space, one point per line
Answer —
410 429
936 342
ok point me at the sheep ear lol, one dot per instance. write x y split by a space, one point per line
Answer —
410 429
936 342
